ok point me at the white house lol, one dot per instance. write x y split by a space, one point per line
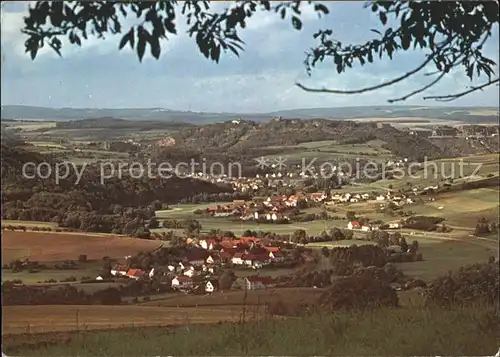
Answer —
365 196
237 259
189 271
207 244
171 267
119 270
181 282
210 286
394 225
366 228
276 256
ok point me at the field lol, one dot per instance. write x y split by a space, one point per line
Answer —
60 246
33 319
385 332
330 150
30 126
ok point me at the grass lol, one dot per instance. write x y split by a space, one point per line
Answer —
441 256
340 243
237 298
88 269
385 332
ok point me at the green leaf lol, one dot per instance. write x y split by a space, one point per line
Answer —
383 18
155 47
297 24
128 37
405 41
141 43
339 68
321 8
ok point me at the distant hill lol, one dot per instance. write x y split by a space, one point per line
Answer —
462 114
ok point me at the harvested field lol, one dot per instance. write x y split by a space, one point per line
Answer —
45 246
37 319
235 298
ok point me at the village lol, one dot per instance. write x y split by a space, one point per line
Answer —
198 269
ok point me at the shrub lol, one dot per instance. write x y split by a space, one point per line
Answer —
472 284
359 292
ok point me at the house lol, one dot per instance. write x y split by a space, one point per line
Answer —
354 225
394 225
317 196
136 274
119 270
365 196
256 261
259 282
380 198
276 256
237 259
207 244
190 271
212 259
366 228
211 286
196 259
182 282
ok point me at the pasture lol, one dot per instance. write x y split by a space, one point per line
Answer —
52 247
442 255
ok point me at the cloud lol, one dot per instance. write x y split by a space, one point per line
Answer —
262 79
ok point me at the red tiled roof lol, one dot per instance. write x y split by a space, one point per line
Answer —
119 268
136 272
255 257
277 254
226 255
183 278
355 223
272 249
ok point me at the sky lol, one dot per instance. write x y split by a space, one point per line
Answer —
98 75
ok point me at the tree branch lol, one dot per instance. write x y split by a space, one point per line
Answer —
451 97
372 88
424 88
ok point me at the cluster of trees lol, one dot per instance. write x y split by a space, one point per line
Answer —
366 255
484 227
191 227
14 294
423 223
472 284
121 205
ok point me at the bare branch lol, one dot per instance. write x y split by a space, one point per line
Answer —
451 97
372 88
424 88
